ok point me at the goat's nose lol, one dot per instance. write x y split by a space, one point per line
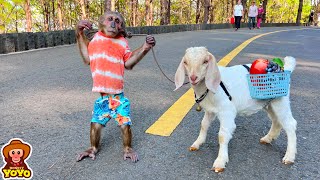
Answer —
193 77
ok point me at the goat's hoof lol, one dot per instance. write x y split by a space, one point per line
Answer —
264 141
193 149
287 162
217 170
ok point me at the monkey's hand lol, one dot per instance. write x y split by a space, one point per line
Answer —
91 152
129 153
150 42
84 24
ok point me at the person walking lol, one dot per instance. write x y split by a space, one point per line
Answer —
260 16
252 14
311 18
237 13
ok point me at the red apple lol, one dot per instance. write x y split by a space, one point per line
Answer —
259 66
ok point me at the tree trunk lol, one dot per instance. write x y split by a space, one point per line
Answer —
87 9
164 10
134 7
53 15
45 10
149 12
28 16
109 5
83 9
212 12
60 6
299 12
101 7
245 10
168 11
198 11
71 4
232 6
113 5
17 22
206 11
264 6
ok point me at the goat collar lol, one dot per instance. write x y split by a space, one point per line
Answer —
205 94
201 97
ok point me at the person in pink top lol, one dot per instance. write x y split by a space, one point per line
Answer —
260 16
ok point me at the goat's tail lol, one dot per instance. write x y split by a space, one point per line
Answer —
289 63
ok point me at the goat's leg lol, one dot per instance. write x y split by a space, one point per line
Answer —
275 127
205 124
227 127
289 124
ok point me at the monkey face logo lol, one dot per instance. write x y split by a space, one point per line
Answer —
14 155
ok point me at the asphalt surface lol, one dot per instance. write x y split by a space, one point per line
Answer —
46 100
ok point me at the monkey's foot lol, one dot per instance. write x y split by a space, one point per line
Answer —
88 153
130 154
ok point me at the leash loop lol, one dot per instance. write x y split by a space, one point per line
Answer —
155 58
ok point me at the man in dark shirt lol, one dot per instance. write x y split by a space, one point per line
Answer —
311 18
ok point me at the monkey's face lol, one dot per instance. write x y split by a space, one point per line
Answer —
16 155
112 25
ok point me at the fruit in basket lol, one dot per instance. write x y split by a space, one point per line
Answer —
259 66
278 61
274 68
263 66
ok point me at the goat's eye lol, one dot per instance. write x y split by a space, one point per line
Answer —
205 62
185 63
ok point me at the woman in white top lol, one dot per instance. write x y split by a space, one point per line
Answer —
237 13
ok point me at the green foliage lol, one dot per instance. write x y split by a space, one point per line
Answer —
13 18
285 11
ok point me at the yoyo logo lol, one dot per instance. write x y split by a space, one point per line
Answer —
15 154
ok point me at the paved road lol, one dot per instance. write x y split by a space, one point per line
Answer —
46 99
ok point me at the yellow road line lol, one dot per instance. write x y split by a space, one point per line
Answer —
168 122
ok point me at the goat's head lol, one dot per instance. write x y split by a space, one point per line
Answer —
199 65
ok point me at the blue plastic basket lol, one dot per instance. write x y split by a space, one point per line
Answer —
267 86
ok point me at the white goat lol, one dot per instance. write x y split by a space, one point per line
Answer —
204 73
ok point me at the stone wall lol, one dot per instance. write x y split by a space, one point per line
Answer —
14 42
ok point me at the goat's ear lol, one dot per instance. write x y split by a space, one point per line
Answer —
212 78
180 75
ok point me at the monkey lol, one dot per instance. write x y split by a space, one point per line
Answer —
108 54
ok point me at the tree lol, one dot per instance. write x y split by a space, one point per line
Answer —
134 7
206 11
212 11
46 15
164 12
149 12
60 6
299 12
198 11
45 12
264 5
109 5
53 15
83 9
28 16
245 10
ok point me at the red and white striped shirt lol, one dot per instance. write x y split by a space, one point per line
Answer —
107 58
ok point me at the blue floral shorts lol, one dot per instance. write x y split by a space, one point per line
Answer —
114 106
